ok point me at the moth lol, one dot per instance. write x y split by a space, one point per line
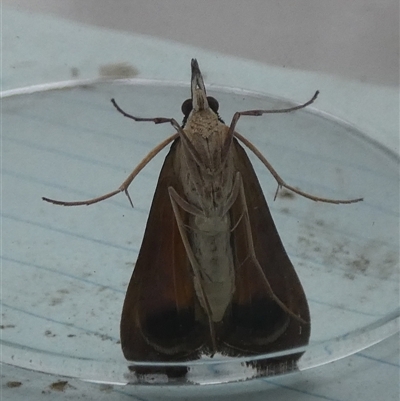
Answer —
212 275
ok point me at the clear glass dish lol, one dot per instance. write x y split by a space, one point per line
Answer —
65 270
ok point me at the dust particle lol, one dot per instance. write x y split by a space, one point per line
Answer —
13 384
361 264
75 72
118 70
60 385
55 301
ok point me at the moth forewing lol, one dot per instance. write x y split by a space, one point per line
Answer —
160 317
263 321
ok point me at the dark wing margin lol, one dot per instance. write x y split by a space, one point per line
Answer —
158 320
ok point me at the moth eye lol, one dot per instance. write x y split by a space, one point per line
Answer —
213 103
187 107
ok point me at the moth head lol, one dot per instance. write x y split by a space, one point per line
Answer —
199 100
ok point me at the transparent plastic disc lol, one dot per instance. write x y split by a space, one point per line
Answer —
65 270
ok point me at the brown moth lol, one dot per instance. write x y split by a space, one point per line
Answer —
212 274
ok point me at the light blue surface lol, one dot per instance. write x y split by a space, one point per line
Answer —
39 49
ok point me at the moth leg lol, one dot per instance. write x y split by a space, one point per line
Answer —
252 254
177 202
163 120
282 183
124 186
253 113
234 194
